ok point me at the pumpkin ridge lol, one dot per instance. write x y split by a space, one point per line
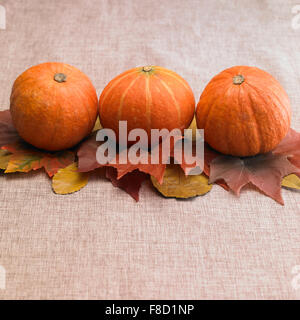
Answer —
148 101
241 101
115 84
209 115
287 113
85 107
58 111
228 131
278 132
175 77
171 93
124 95
259 135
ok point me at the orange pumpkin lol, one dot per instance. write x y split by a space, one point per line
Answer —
244 111
148 98
53 106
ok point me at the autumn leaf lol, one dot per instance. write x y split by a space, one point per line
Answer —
25 158
291 181
4 159
131 182
86 154
97 125
193 126
290 146
69 180
265 171
87 160
8 133
177 184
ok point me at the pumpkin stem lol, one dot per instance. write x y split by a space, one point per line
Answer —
147 68
239 79
60 77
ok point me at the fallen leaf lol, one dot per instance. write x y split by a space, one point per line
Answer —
4 159
25 158
69 180
265 171
193 126
131 182
177 185
97 125
86 154
8 133
291 181
290 146
209 155
87 160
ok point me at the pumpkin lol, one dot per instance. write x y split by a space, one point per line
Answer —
147 98
244 111
53 106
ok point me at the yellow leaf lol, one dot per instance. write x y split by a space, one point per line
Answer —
98 125
176 184
4 159
193 126
291 181
69 180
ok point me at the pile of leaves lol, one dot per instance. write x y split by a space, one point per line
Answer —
70 169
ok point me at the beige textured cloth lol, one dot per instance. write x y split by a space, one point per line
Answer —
99 243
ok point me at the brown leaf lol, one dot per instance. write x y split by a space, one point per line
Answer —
177 185
131 182
264 171
25 158
8 133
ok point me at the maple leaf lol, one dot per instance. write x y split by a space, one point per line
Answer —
87 160
290 146
25 158
8 133
86 154
131 182
265 171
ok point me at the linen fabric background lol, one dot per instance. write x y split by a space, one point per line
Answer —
99 243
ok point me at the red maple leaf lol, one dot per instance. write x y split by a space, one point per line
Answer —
290 146
87 160
264 171
127 176
8 133
131 182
